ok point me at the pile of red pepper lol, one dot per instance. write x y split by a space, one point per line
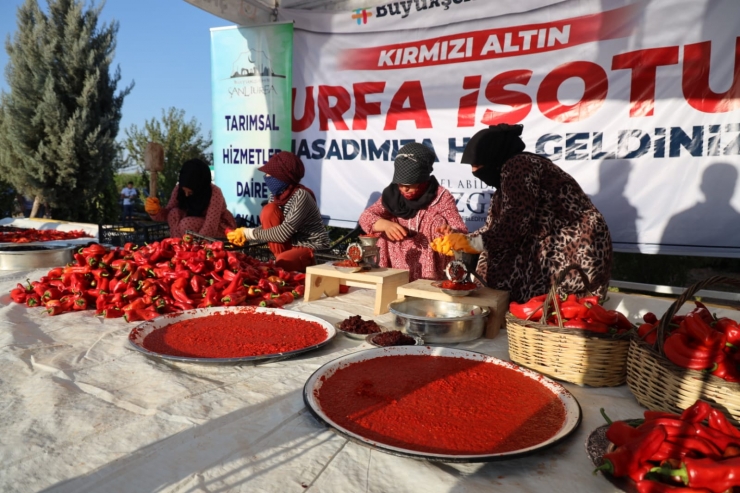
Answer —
9 234
666 452
162 277
583 313
699 341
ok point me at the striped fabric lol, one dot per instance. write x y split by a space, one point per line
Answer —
302 225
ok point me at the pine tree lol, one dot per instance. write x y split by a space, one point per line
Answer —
181 140
59 122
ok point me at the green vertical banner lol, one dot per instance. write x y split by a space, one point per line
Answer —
252 81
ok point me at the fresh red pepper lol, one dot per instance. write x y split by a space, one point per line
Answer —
700 330
648 332
630 458
696 413
715 476
234 299
679 350
598 313
718 421
33 300
620 433
573 309
648 486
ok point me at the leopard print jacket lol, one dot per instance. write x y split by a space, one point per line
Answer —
540 222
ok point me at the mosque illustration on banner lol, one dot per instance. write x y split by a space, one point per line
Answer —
253 63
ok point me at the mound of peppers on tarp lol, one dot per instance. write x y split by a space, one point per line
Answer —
584 313
699 341
162 277
10 234
670 453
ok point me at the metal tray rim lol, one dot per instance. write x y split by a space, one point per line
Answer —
331 333
569 427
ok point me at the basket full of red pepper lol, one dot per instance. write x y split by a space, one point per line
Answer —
572 338
681 358
697 451
162 277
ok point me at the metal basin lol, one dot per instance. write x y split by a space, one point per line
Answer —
439 321
33 256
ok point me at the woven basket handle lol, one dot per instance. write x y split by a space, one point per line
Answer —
685 296
554 292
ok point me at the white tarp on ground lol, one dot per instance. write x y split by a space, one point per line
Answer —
80 412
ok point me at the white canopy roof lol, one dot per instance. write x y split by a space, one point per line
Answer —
246 12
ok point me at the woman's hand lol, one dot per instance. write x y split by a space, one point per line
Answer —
445 230
151 206
393 231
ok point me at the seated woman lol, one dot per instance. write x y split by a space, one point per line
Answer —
408 214
196 204
291 221
540 220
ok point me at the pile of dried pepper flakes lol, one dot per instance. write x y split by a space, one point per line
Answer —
699 341
697 451
9 234
159 278
582 313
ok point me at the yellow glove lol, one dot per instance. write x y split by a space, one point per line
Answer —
237 236
151 206
447 245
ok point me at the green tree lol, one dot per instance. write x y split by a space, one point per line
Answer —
181 140
59 122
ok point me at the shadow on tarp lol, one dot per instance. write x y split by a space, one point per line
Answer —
198 450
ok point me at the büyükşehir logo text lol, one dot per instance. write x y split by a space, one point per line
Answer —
403 8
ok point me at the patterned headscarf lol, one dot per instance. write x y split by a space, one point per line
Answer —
288 168
491 148
413 165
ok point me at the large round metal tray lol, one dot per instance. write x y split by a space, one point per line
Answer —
25 256
139 333
315 381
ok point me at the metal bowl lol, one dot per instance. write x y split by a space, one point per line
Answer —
34 256
419 340
439 321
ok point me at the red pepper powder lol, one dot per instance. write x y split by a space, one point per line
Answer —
234 335
441 405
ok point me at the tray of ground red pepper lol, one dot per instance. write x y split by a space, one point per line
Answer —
440 404
227 335
696 451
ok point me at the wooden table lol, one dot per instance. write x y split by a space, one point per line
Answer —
497 301
325 279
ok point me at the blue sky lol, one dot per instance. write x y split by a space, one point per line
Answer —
162 45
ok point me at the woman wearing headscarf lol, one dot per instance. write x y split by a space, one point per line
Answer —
539 222
291 221
195 205
408 214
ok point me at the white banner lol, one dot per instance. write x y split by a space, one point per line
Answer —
639 101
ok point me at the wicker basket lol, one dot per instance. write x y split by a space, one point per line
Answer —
659 385
576 356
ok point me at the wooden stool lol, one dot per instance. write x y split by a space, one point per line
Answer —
325 279
497 301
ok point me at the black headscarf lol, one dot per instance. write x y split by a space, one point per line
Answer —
491 148
195 175
413 164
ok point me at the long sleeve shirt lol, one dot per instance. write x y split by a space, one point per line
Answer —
413 252
302 225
